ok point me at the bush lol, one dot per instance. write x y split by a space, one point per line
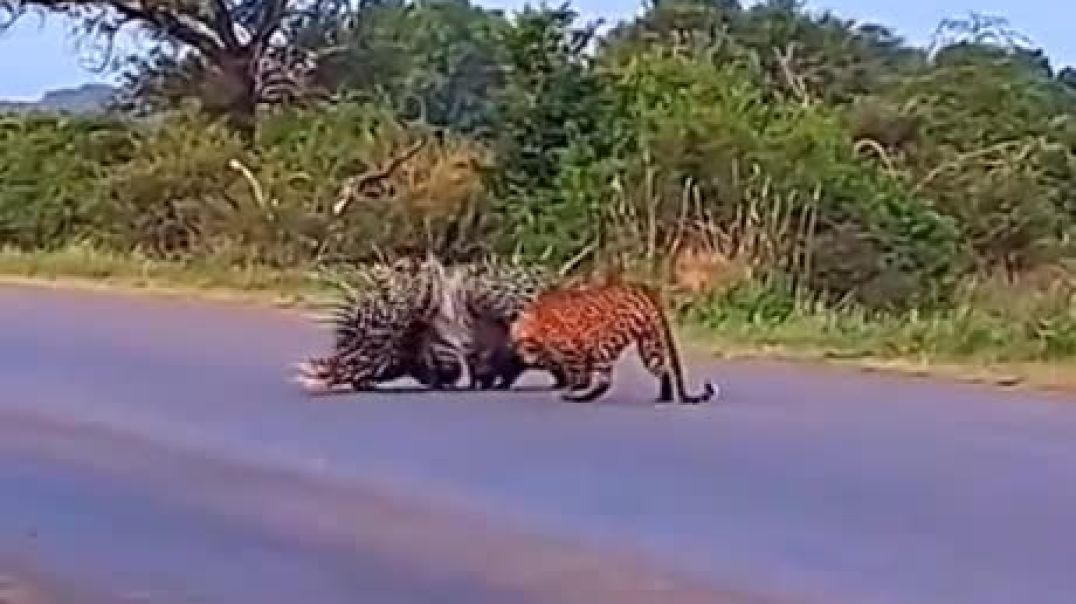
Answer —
182 187
979 326
1005 182
176 196
53 171
777 183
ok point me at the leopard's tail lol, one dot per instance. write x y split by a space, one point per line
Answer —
673 353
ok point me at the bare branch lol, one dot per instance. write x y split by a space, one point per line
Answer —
786 61
255 186
225 25
879 150
110 44
329 51
10 13
1003 146
164 17
357 184
268 22
182 27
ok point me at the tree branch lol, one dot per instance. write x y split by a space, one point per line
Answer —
356 184
185 28
225 25
268 22
786 61
165 17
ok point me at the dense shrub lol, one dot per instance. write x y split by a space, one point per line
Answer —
52 177
779 183
182 187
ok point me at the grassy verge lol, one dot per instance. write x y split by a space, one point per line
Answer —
1032 344
997 335
85 267
1058 375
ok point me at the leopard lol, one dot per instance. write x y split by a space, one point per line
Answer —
584 329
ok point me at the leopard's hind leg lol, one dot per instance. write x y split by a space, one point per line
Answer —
656 360
661 362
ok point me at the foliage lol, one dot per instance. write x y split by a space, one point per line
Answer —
53 172
778 183
725 148
549 112
1040 327
186 187
1004 180
435 59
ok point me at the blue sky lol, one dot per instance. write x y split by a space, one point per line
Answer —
36 56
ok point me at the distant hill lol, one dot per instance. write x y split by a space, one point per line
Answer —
88 98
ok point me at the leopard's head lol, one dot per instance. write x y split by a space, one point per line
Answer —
527 337
491 349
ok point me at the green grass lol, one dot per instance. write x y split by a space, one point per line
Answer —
995 335
82 265
1003 335
989 324
966 334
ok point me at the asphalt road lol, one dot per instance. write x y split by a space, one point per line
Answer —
152 451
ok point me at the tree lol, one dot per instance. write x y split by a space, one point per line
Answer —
440 59
240 48
801 55
550 113
550 97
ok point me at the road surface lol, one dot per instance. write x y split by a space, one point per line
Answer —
152 451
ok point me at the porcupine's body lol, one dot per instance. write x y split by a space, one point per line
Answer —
480 301
584 330
382 331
